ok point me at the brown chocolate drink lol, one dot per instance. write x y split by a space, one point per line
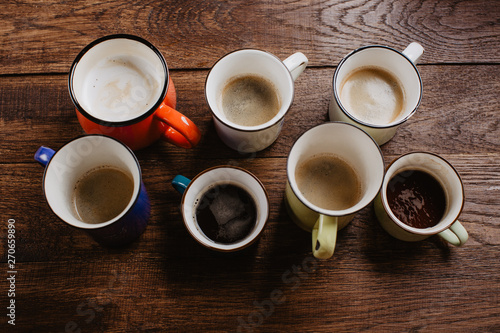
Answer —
416 198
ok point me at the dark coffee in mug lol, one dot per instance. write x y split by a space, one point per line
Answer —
416 198
101 194
328 182
226 213
250 100
373 95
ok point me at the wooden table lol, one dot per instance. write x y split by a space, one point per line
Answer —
166 282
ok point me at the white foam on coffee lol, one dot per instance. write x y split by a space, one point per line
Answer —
121 87
373 95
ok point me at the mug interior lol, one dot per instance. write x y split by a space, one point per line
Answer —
393 62
118 78
443 172
217 176
253 62
76 158
359 151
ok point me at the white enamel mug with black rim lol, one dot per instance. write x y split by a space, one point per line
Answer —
401 64
282 74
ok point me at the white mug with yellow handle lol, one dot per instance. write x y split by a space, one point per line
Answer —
447 227
360 152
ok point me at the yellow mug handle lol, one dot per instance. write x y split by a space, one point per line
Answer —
324 236
455 234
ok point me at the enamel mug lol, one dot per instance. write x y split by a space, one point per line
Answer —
193 191
281 74
121 87
448 227
65 167
401 65
360 152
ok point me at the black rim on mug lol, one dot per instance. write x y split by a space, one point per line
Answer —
250 129
385 204
359 121
116 218
257 236
126 122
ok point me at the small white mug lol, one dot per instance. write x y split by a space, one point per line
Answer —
448 228
281 74
358 150
193 190
399 64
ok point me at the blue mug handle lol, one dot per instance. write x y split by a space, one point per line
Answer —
180 183
43 155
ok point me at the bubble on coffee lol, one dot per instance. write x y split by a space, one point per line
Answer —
329 182
373 95
226 213
121 87
250 100
101 194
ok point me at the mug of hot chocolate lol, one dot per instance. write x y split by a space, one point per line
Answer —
422 195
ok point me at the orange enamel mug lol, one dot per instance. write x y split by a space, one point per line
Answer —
120 86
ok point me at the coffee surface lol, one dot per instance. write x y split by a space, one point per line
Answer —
328 182
102 194
416 198
250 100
373 95
121 88
226 213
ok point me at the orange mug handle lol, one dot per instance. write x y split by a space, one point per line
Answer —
177 128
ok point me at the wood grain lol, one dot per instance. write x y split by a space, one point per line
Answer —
455 117
165 281
45 36
481 214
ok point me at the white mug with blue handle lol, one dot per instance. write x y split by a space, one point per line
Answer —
192 190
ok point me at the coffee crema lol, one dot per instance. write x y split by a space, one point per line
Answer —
121 88
226 213
328 182
373 95
416 198
250 100
102 194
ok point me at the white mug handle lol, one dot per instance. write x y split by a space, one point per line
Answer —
455 234
296 63
414 51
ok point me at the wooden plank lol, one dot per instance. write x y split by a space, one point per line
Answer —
45 36
368 286
43 237
458 114
165 281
